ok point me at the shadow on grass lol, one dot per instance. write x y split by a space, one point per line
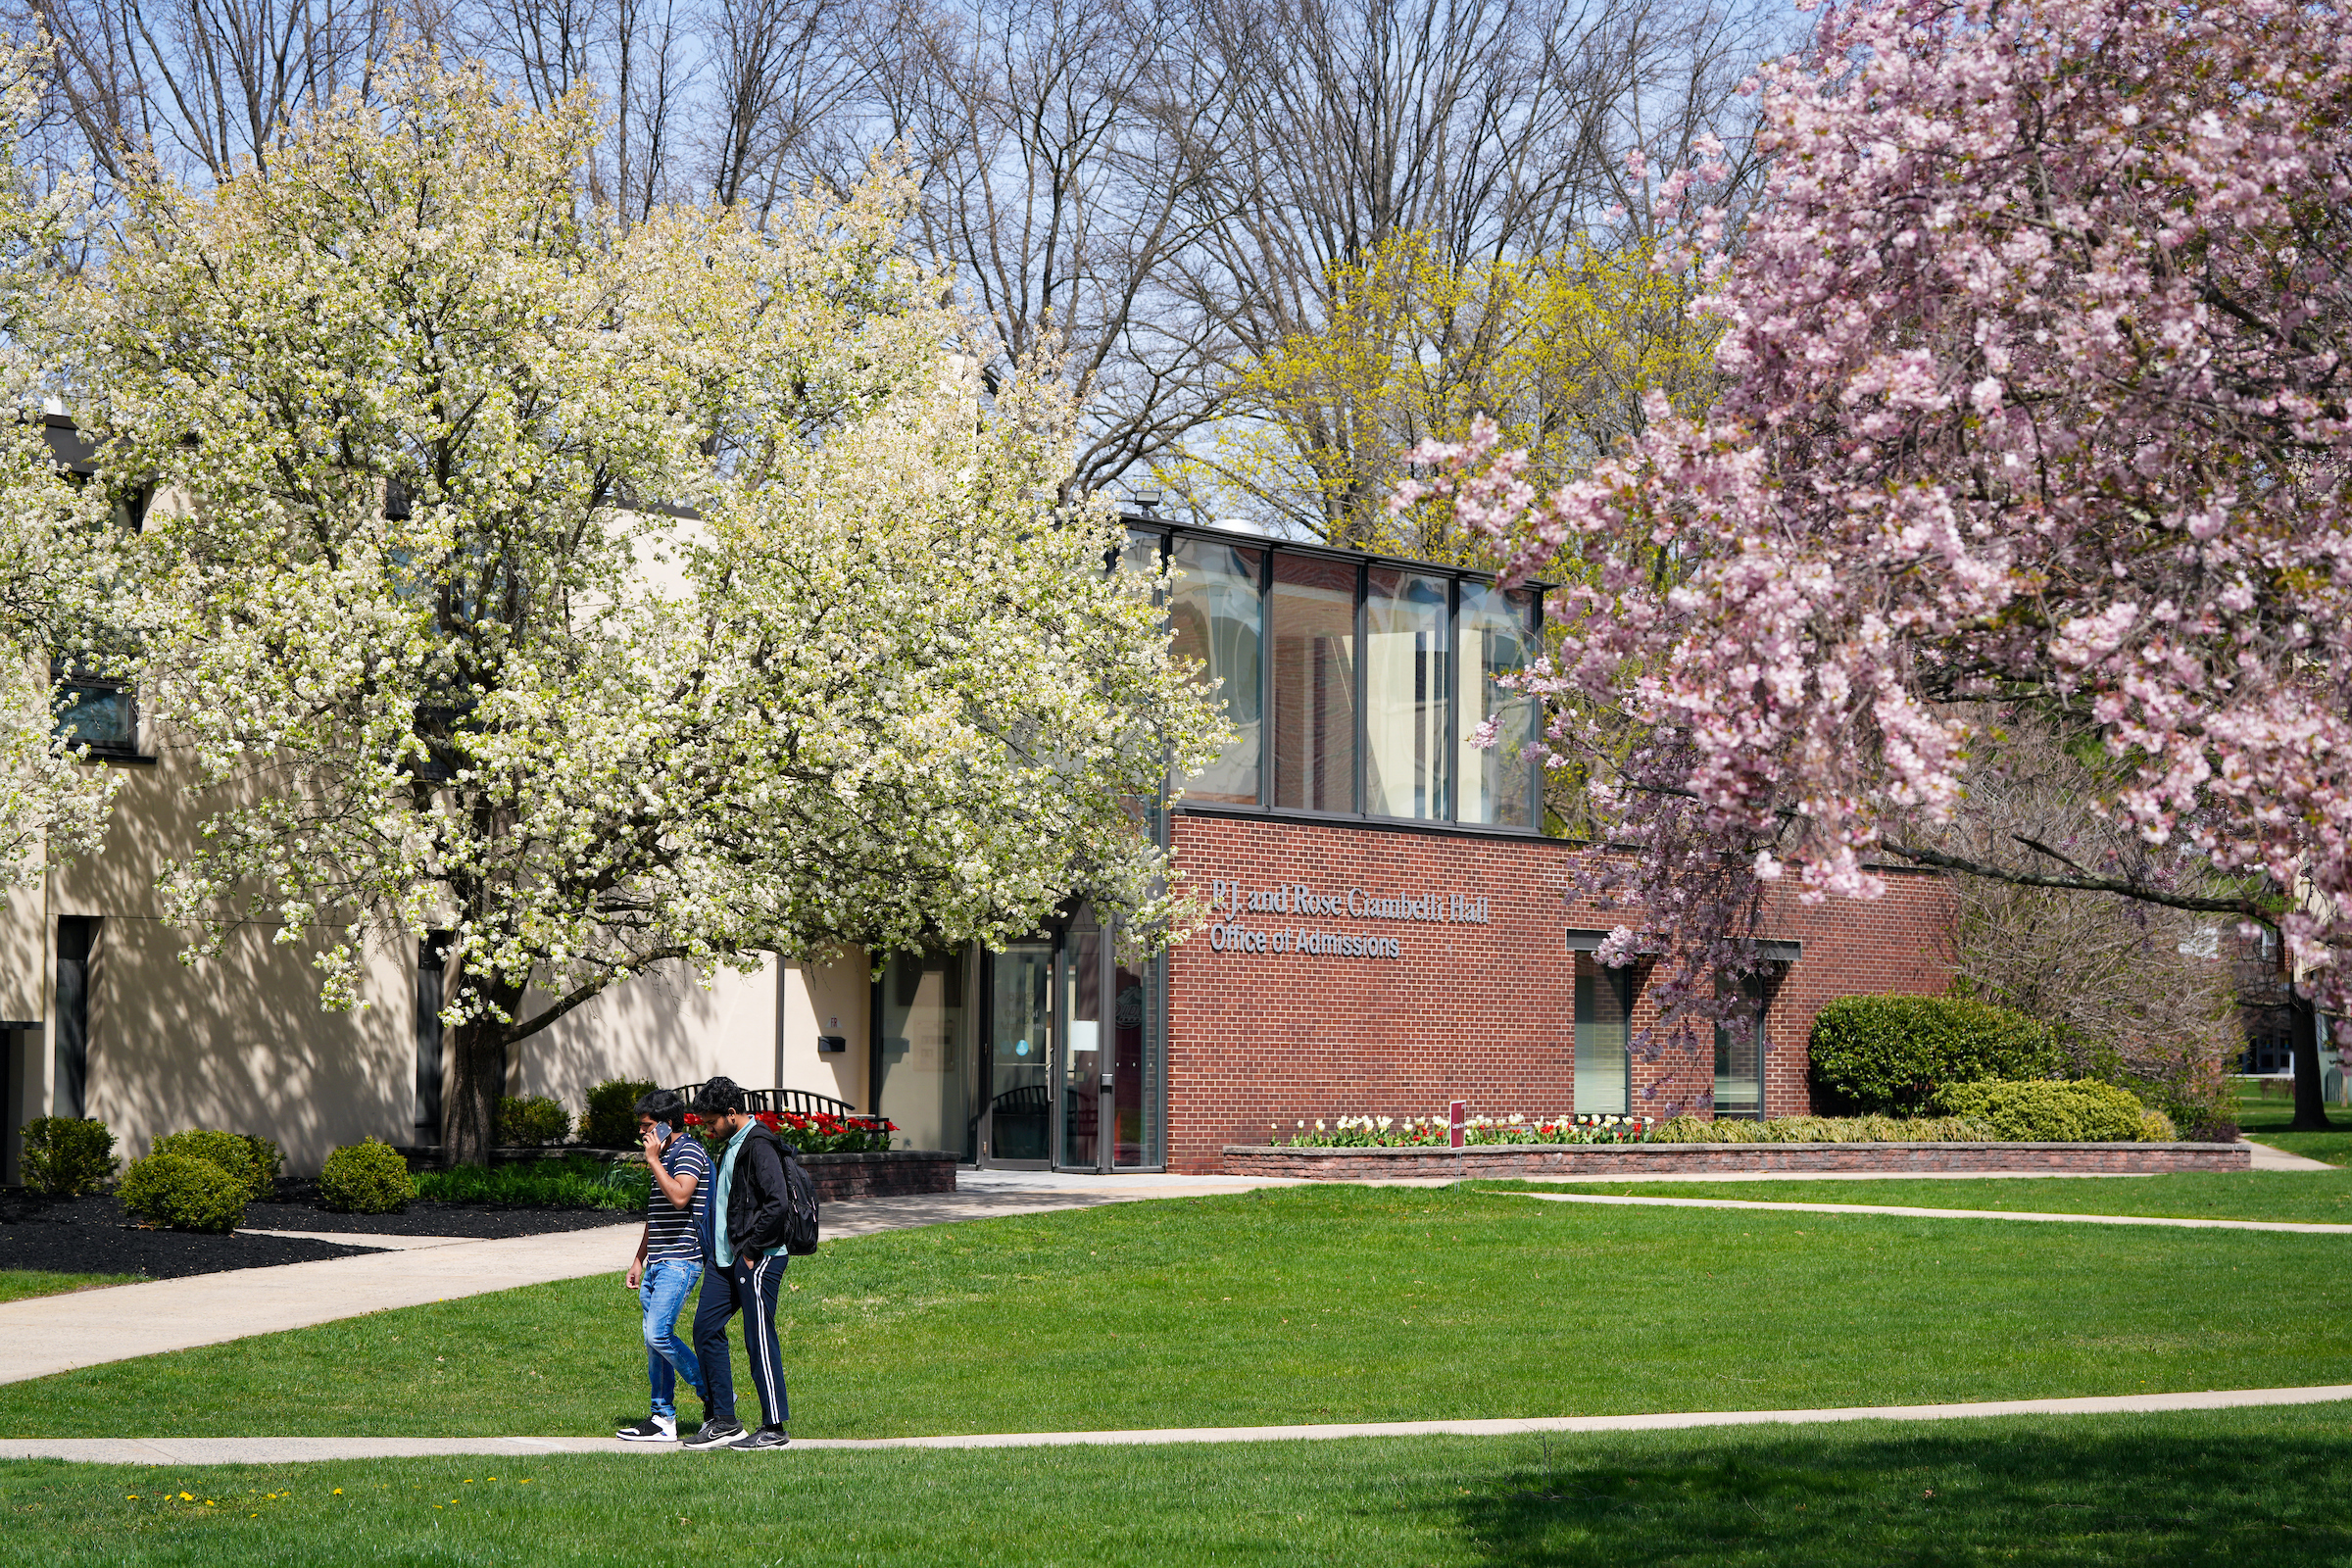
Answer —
2110 1493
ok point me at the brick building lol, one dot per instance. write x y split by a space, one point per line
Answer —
1392 930
1391 933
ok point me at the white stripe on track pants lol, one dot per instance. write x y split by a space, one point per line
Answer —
749 1289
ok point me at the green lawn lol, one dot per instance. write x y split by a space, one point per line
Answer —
17 1284
1318 1304
2321 1196
2265 1121
2245 1487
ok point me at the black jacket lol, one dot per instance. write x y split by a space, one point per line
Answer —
756 1195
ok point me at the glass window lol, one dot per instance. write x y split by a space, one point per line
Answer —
922 1062
1219 621
1405 692
1604 1000
1739 1055
1496 639
92 710
1314 683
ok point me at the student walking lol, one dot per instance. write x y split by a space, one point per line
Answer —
670 1257
744 1260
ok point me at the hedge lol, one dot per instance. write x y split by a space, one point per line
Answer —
67 1156
528 1121
254 1161
183 1193
1821 1130
2039 1112
610 1121
1888 1056
366 1178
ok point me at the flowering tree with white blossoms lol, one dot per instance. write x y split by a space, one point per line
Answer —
2035 392
58 561
607 595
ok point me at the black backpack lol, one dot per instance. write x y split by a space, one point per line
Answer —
800 1207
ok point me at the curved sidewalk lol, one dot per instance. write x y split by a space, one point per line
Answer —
303 1450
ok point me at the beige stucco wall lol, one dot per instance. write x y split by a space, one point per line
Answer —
238 1040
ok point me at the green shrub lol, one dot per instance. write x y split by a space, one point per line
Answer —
1823 1130
1889 1055
528 1121
183 1193
1682 1130
268 1161
611 1120
366 1178
253 1161
67 1156
2041 1112
574 1181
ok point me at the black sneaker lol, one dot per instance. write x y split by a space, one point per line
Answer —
652 1429
716 1434
764 1438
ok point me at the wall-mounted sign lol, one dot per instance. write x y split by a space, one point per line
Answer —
1231 900
1356 903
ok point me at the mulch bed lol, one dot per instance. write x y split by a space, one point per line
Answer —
93 1235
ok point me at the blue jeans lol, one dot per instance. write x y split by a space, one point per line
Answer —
666 1356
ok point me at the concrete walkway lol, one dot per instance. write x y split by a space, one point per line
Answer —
296 1450
2267 1158
1941 1213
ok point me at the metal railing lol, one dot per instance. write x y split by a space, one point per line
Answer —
799 1102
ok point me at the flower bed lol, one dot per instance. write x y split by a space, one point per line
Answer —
1433 1132
818 1132
1656 1159
1430 1132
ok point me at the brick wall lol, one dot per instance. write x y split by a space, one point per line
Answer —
1480 1009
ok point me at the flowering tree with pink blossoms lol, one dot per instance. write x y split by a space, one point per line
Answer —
2036 373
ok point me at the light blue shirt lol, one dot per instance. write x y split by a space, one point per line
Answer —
719 1247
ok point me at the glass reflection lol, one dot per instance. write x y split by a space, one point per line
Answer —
1218 624
1602 1006
1082 1048
1496 638
1314 683
1405 692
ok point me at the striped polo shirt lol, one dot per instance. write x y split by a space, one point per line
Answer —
671 1231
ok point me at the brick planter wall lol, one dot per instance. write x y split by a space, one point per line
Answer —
1603 1161
897 1173
1479 1011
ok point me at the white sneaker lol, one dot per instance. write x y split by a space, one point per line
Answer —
652 1429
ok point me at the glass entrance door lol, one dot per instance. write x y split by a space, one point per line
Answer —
1082 1053
1020 1055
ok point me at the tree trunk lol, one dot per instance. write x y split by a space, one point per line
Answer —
2303 1037
478 1079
